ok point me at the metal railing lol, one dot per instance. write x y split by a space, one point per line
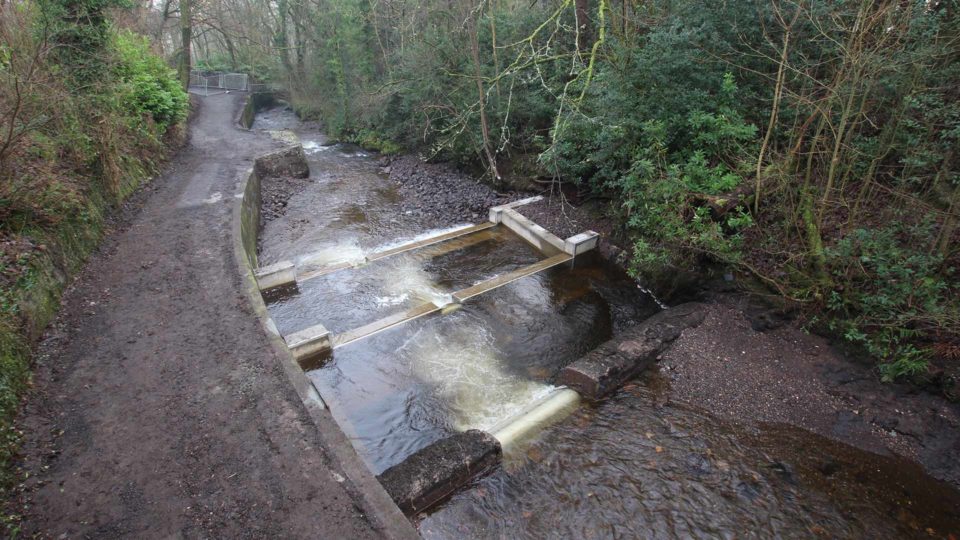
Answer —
210 83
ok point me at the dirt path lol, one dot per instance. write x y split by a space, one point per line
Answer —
159 409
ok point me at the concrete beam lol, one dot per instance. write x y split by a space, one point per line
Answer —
606 368
536 235
385 323
309 343
496 212
281 274
448 240
580 243
433 473
463 295
523 426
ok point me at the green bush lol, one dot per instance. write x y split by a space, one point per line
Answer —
664 190
148 86
891 294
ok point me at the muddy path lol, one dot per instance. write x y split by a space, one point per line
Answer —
158 408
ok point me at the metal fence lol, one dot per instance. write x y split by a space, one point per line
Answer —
208 83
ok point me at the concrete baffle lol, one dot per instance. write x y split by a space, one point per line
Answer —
309 343
281 274
581 243
435 472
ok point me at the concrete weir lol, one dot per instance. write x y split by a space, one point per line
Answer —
433 473
458 297
569 248
396 250
521 427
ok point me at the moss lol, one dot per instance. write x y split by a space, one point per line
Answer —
372 140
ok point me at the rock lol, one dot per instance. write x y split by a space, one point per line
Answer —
290 161
603 370
435 472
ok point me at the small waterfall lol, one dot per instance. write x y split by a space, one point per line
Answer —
347 252
461 361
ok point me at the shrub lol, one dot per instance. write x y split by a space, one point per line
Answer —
890 293
148 86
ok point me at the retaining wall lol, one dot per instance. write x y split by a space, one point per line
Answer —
380 508
256 101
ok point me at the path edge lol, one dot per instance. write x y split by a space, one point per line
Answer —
385 513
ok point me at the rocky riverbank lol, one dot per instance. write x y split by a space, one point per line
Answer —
442 193
754 364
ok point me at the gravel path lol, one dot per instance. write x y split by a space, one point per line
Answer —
159 409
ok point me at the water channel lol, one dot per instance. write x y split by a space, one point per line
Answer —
636 465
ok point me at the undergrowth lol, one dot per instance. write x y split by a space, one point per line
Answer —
80 129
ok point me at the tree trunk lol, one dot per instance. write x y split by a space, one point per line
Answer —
481 94
186 34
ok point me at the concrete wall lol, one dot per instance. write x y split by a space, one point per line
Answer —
376 503
256 101
250 218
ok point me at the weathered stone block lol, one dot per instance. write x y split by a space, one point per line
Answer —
290 161
603 370
433 473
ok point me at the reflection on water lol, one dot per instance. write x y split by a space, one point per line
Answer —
634 466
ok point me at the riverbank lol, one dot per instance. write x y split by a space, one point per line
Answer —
747 363
40 259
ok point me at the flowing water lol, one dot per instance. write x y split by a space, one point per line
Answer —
636 465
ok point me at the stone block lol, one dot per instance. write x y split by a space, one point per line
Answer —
434 473
606 368
290 161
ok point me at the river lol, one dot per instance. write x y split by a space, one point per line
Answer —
636 465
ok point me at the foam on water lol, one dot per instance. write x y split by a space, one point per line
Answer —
466 370
383 301
422 236
405 278
340 253
313 147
